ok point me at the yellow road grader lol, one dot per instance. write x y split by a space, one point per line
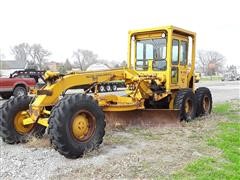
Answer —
160 90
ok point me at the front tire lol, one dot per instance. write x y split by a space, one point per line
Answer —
12 129
185 102
76 125
204 101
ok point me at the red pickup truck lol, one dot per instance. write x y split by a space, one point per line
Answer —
19 83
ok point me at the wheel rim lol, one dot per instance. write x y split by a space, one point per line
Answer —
101 88
20 92
108 88
206 103
188 106
83 125
114 87
18 123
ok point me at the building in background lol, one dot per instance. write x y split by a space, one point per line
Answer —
97 67
9 66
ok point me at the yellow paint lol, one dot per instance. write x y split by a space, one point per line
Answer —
187 108
43 121
18 123
141 80
46 112
27 121
50 74
197 76
80 126
171 104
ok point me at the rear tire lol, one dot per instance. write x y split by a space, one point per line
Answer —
204 101
9 131
185 102
62 126
19 91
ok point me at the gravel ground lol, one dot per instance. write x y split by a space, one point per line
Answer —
222 91
130 153
134 152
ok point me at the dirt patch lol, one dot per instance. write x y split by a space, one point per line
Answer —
38 143
149 153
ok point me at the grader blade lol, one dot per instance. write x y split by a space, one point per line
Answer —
143 118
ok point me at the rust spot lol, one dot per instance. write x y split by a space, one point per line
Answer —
143 118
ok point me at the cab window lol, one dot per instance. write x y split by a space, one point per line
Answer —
151 49
140 50
183 53
175 45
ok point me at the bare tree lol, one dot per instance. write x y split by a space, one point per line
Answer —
1 62
210 62
61 68
21 52
84 58
232 68
67 65
34 55
202 61
38 55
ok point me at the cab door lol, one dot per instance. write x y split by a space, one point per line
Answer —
179 62
183 67
174 64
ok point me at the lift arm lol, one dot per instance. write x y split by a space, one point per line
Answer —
57 84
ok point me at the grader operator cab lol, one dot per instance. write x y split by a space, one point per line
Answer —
160 91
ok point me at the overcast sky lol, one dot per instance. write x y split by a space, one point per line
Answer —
62 26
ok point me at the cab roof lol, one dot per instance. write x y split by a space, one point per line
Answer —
163 28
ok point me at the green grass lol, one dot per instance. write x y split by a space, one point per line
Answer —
230 110
227 139
210 78
222 108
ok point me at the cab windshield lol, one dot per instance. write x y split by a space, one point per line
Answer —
151 49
